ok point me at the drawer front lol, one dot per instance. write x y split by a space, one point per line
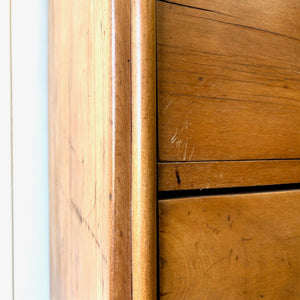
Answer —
228 80
230 247
207 175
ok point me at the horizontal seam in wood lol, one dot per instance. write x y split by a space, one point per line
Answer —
237 160
195 7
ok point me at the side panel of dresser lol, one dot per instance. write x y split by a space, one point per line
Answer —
90 149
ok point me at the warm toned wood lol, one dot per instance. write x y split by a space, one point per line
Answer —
230 247
90 149
272 15
206 175
228 80
143 150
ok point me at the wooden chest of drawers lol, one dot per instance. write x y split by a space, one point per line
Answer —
228 116
174 149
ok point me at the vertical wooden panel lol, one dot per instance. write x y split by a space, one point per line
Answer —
144 150
90 149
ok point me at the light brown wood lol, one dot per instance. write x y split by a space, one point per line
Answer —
228 80
90 149
272 15
207 175
230 247
143 150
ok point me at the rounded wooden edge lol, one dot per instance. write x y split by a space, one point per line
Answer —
144 251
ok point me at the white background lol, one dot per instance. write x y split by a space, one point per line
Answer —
24 257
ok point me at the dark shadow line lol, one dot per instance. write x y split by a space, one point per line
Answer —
164 195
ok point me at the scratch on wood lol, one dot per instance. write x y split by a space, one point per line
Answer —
71 145
169 103
245 249
215 230
185 150
292 238
174 137
216 262
192 152
82 220
221 259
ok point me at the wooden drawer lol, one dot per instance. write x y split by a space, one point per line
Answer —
222 174
228 76
230 247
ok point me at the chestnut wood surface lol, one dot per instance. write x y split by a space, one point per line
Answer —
144 204
230 247
228 80
206 175
90 149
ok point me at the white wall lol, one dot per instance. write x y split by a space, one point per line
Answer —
29 237
5 156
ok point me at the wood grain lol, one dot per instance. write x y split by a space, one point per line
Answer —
144 238
90 149
230 247
228 80
206 175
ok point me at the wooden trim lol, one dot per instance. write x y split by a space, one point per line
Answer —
90 149
205 175
143 150
120 281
